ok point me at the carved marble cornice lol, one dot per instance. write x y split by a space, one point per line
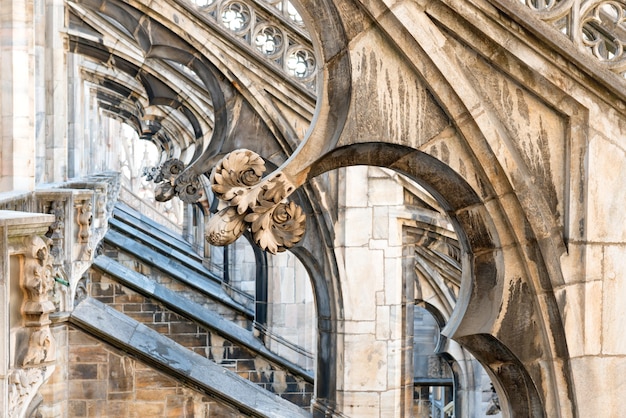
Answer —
255 204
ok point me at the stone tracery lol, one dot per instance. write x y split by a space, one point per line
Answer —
596 26
289 46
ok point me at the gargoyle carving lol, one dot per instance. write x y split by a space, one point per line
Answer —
84 218
276 224
36 282
41 347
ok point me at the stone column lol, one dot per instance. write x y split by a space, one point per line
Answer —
372 362
17 161
56 92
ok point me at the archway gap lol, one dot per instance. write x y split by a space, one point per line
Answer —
482 261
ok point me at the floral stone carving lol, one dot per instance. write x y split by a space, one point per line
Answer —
173 180
261 206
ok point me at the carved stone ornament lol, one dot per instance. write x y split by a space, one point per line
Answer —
84 218
275 224
173 180
56 231
37 281
151 173
188 188
23 385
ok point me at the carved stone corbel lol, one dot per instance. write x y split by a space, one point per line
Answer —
23 385
261 206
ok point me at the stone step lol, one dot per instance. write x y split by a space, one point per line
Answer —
124 214
171 267
132 224
136 219
195 312
175 360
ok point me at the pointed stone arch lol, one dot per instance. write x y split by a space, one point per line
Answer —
477 319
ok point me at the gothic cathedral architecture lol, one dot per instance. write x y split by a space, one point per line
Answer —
312 208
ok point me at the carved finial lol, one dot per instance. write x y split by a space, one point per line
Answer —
276 225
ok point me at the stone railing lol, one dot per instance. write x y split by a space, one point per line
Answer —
597 27
80 210
273 29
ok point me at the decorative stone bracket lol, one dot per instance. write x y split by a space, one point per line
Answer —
261 206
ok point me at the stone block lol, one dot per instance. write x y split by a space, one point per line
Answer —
571 305
149 379
383 327
359 404
391 403
358 224
77 408
83 371
613 306
598 381
146 409
394 286
359 327
78 337
120 396
355 192
87 354
121 374
97 408
87 389
364 270
184 328
385 192
606 161
131 307
154 394
365 363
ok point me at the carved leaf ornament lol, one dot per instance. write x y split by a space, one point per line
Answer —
275 224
